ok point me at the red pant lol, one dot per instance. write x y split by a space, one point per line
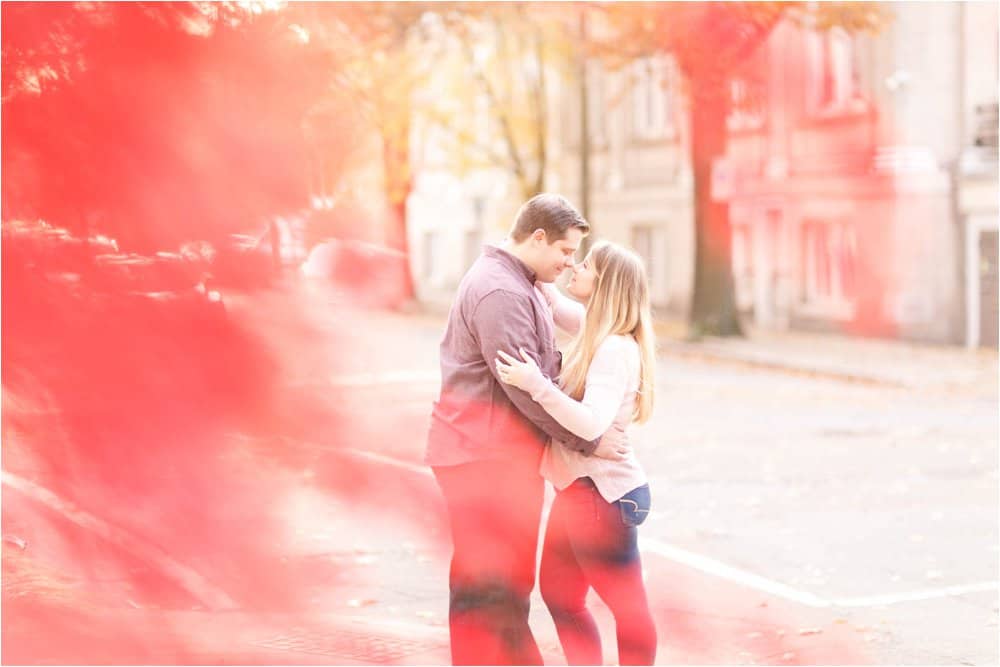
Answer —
495 510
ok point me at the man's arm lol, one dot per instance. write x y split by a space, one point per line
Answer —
505 321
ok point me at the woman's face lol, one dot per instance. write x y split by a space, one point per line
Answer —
581 285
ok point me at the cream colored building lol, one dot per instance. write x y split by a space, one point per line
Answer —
861 176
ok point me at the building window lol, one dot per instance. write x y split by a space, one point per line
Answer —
748 110
834 74
989 295
642 242
987 119
428 254
648 243
829 264
473 245
981 156
651 101
743 266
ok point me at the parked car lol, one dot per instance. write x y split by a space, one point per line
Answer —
371 275
96 274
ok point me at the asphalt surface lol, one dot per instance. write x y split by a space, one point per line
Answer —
816 501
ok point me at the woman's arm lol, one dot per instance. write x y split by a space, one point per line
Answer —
590 417
567 313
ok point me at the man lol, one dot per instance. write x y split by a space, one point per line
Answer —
486 437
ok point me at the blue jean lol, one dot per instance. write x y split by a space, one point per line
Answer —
589 544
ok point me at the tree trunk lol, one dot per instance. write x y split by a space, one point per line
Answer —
399 183
400 242
713 303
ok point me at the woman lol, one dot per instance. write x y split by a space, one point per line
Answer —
607 378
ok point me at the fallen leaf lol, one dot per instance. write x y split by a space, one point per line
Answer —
367 602
16 541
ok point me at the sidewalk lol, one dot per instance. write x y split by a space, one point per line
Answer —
844 357
890 363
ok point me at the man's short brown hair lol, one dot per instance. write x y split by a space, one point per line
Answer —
551 213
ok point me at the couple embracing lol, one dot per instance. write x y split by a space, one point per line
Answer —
513 413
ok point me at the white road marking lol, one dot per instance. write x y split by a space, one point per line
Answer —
736 575
719 569
915 596
389 461
755 581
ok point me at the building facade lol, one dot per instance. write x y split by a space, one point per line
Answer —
861 174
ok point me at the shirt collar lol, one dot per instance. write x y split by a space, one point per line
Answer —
511 262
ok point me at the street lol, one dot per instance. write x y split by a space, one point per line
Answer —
797 519
231 236
869 506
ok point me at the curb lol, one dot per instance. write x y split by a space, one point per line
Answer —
670 339
706 352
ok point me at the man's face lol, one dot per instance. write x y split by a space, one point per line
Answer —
554 258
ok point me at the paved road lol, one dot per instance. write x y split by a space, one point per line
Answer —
853 506
798 519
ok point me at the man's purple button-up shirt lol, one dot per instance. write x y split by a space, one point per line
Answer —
477 417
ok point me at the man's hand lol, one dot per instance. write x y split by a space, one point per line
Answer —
613 445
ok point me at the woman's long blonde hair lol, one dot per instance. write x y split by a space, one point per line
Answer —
618 305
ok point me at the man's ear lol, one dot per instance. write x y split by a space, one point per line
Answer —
538 235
